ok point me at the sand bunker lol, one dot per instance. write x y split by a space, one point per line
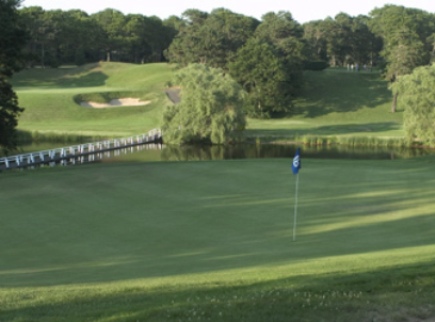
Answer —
128 101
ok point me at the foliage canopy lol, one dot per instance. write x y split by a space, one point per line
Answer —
212 39
269 66
211 107
418 99
12 38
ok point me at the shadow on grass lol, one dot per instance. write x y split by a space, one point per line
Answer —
399 293
92 79
222 230
341 91
85 76
248 233
87 80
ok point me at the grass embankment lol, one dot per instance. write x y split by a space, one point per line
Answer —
336 105
213 241
49 96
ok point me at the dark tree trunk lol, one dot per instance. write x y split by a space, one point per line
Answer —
42 56
394 105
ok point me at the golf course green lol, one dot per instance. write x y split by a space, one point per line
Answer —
213 240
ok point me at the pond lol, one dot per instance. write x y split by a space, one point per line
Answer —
254 151
158 152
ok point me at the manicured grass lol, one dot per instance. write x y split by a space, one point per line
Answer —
335 103
48 96
213 241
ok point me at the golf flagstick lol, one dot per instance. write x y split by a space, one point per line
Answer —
296 165
296 208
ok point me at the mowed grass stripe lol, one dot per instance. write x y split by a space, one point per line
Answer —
115 242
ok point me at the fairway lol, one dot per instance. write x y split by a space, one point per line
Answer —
49 97
358 108
179 241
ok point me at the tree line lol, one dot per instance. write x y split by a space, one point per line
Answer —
266 57
59 37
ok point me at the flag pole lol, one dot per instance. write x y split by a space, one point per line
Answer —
296 207
296 166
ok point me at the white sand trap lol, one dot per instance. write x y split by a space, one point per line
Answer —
128 101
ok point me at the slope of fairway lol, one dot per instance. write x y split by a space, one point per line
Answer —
48 97
213 241
336 102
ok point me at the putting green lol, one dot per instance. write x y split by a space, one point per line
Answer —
157 241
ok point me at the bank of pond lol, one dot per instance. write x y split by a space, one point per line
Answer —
161 152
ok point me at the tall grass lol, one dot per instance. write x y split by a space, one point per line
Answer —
350 141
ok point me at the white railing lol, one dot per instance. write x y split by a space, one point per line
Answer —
91 150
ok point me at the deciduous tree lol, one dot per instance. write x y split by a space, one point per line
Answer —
270 65
211 107
212 38
261 71
406 38
113 23
418 100
12 38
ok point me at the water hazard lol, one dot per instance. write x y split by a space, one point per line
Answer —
161 153
258 151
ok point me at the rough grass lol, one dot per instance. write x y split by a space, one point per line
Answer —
213 241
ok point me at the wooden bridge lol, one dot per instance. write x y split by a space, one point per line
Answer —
88 152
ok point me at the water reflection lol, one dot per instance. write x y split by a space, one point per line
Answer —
158 152
255 151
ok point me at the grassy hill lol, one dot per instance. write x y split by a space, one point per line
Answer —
48 96
213 241
334 103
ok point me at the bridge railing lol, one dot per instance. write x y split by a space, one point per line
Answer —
75 151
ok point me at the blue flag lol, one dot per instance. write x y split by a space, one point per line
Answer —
296 165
